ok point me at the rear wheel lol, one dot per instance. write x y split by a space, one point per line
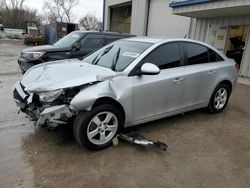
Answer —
97 128
219 99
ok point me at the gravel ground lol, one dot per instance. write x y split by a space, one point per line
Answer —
9 52
204 150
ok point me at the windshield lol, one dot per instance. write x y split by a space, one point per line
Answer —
118 55
68 40
33 31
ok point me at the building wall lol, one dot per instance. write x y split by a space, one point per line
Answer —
139 17
207 9
151 17
163 23
199 31
198 27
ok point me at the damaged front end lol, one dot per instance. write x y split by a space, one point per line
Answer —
46 108
46 91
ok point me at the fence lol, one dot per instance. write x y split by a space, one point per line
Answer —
12 33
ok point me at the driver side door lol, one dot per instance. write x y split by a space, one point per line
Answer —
156 95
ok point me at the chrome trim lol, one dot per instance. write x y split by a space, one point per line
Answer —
20 90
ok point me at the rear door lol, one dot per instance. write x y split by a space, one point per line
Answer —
156 95
200 74
88 44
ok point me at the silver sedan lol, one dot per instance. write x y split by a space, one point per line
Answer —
126 83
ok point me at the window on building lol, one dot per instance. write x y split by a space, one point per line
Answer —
165 56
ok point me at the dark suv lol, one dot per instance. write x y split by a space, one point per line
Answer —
75 45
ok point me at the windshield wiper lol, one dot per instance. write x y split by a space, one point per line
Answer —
115 60
96 60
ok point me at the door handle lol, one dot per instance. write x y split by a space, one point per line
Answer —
178 80
67 53
212 72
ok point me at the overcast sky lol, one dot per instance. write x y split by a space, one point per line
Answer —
85 6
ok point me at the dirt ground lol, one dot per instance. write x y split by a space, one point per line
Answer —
204 150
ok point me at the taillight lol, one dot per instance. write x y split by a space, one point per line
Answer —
237 66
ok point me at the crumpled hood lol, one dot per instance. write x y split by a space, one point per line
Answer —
62 74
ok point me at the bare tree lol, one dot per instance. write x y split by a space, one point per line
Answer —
11 10
67 6
53 11
13 13
59 10
12 4
89 22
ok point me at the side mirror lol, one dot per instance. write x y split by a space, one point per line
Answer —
149 68
77 46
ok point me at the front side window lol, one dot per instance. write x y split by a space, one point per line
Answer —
118 55
195 53
165 56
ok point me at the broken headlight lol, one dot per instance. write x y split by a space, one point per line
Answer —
50 96
69 93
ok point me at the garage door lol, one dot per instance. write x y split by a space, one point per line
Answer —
120 18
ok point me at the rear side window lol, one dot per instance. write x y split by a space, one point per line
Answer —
93 41
110 39
214 57
195 53
165 56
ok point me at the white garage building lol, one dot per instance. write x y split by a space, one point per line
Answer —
221 23
224 24
144 18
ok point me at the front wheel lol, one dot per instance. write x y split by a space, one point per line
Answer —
219 98
97 128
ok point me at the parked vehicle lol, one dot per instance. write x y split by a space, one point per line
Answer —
13 33
32 34
126 83
77 44
2 32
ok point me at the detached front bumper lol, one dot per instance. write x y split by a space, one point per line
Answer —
50 115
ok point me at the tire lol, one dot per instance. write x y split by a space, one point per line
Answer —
105 121
218 100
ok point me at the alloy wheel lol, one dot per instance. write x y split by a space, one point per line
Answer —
102 127
220 98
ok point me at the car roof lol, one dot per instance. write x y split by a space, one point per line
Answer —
105 32
164 40
144 39
159 41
